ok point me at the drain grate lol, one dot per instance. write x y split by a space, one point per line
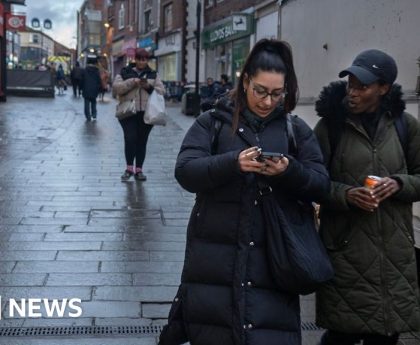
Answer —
100 330
79 330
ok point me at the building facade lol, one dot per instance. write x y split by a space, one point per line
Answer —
170 57
148 26
326 35
123 19
90 28
227 36
35 48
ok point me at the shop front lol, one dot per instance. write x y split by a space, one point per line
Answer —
227 43
169 57
117 56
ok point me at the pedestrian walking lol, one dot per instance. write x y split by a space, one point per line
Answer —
76 76
91 84
228 293
103 72
226 85
366 222
60 79
139 80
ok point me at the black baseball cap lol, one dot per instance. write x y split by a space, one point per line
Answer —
372 65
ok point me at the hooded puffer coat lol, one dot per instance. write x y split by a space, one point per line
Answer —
375 289
227 295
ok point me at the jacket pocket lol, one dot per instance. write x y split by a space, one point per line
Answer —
336 229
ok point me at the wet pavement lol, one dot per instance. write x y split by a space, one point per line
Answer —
71 229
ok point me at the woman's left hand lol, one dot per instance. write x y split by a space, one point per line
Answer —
274 166
385 188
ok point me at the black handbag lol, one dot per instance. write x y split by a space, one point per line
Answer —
297 258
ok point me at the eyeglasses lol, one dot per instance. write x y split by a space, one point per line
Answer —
142 58
261 93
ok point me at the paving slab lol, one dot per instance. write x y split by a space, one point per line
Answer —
71 228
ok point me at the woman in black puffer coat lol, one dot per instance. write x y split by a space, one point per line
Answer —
228 295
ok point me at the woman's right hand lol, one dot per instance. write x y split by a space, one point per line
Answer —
247 160
362 197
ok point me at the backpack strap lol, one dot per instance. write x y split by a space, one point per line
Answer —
336 128
291 137
401 126
217 127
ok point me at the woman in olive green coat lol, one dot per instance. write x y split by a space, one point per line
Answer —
368 232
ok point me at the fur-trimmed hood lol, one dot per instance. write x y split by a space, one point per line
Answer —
331 101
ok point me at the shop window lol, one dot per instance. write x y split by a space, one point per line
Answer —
35 38
121 17
167 18
147 20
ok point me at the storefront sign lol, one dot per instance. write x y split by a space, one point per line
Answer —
15 22
147 42
16 2
229 29
117 48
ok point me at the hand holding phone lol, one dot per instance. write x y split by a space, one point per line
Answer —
269 155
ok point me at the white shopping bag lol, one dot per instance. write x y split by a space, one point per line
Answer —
155 113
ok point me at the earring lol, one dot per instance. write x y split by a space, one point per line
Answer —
244 90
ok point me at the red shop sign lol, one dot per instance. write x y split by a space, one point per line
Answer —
1 20
15 22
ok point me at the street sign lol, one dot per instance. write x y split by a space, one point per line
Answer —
15 22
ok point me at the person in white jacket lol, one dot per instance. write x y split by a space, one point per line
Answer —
141 79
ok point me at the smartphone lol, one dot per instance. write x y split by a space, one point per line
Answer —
269 155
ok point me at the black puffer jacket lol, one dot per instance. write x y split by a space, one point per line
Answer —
227 295
91 81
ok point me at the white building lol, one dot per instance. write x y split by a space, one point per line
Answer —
326 35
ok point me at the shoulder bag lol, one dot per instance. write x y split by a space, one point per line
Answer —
126 109
298 260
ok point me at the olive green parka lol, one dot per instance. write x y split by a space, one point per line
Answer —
375 288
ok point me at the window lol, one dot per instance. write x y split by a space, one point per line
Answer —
219 1
147 20
35 38
209 3
121 17
167 18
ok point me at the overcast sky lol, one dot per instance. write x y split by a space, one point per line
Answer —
62 13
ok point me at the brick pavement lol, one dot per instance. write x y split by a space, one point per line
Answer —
71 228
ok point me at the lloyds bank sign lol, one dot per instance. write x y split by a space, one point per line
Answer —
229 29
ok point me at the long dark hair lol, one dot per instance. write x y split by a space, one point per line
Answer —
268 55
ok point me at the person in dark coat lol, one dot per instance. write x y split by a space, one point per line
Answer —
60 78
228 295
225 84
76 77
368 232
91 84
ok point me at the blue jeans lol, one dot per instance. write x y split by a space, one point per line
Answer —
90 107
